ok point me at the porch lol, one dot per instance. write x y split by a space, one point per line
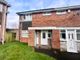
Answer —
43 39
63 39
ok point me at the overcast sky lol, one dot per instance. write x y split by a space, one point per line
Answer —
25 5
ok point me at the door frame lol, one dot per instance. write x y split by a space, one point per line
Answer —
46 36
75 39
36 35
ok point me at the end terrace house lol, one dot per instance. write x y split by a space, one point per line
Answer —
3 18
53 28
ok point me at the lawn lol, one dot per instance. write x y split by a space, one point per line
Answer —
20 51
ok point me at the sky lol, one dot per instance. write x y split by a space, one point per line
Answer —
26 5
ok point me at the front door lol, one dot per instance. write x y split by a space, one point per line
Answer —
71 43
44 37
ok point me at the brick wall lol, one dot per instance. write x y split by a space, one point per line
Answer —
67 20
22 39
55 39
38 20
31 38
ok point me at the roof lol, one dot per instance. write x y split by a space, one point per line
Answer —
48 10
4 2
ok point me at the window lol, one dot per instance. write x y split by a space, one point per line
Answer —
49 34
61 12
44 35
47 13
26 24
24 34
28 18
78 34
63 34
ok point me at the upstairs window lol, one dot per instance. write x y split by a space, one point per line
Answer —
47 13
28 18
61 12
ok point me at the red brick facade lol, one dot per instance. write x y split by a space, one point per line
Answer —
55 39
25 40
31 38
70 19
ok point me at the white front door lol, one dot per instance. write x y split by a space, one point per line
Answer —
44 37
71 43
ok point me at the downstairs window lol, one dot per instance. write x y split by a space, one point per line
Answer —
62 34
78 34
24 34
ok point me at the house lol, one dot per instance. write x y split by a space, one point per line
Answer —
3 18
53 28
14 32
24 23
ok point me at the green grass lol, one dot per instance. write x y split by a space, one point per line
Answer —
20 51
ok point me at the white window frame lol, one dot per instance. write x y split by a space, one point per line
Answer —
28 18
50 32
66 35
25 33
76 35
61 12
47 13
61 39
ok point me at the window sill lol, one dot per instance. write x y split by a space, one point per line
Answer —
25 20
24 37
63 40
66 41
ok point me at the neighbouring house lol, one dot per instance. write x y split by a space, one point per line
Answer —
3 18
53 28
24 22
14 32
